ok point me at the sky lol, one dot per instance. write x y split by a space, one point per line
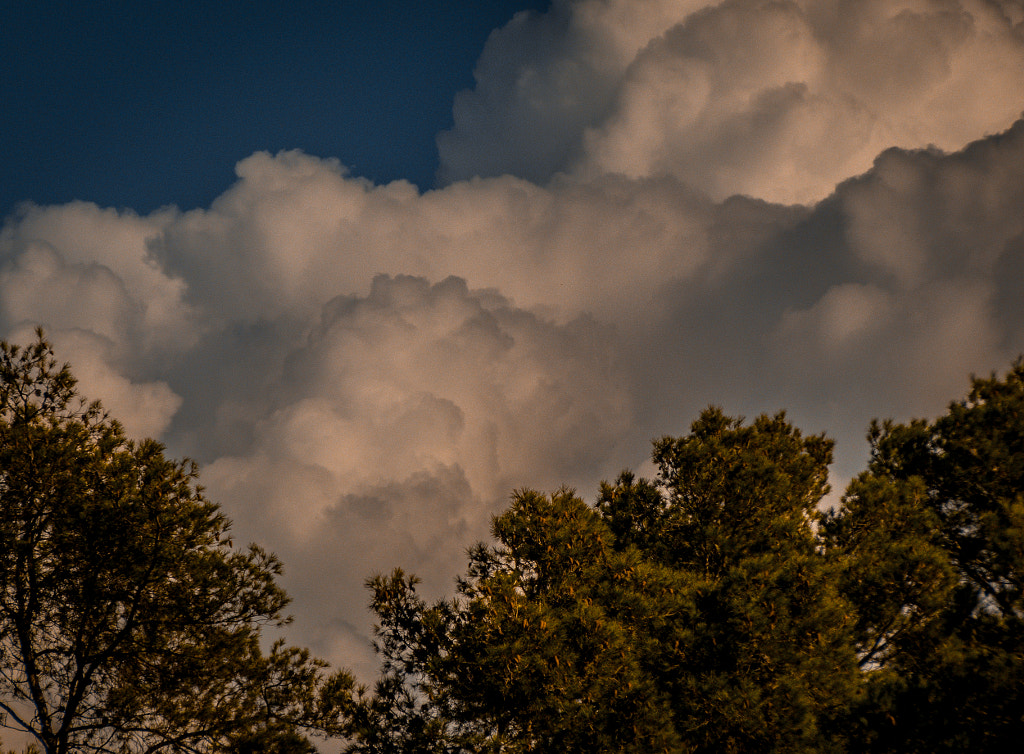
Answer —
145 104
376 266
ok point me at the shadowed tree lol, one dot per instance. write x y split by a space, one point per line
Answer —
768 663
933 537
693 613
128 621
544 650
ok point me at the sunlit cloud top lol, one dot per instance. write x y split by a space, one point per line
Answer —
644 207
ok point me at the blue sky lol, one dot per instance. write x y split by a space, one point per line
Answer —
649 206
141 104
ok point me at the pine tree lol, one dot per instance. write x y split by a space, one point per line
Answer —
693 613
933 538
128 621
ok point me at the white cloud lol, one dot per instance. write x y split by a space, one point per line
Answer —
925 214
37 284
295 231
543 79
406 420
355 421
846 313
87 276
144 408
366 371
779 100
417 376
77 250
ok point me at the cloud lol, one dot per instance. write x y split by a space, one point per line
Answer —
934 246
925 214
85 274
544 78
79 249
295 231
405 421
365 372
778 100
354 420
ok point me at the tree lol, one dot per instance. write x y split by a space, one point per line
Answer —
735 508
128 621
544 650
696 612
932 535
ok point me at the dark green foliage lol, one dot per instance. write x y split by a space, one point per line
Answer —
542 652
769 663
714 609
128 622
695 613
933 537
405 714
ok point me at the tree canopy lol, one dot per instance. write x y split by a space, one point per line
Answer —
696 612
128 620
716 608
932 539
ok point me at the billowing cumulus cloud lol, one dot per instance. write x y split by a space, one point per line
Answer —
761 205
934 244
86 274
294 231
405 419
416 377
79 250
779 100
542 80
